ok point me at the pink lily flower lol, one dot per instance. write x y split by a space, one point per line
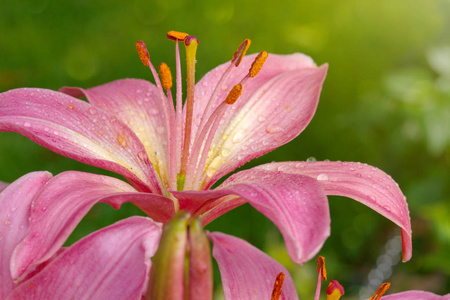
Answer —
172 155
112 263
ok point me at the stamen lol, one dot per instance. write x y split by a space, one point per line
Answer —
240 52
276 292
380 291
176 35
335 290
166 76
322 275
143 53
191 44
258 63
234 94
321 268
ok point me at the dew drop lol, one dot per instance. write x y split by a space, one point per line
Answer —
13 208
322 177
113 119
205 83
92 111
27 124
300 165
311 159
160 129
239 136
273 129
387 208
225 152
261 119
44 208
153 111
224 87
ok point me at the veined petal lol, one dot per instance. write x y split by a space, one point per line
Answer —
112 263
247 272
274 108
62 204
136 103
415 295
78 130
363 183
297 205
15 201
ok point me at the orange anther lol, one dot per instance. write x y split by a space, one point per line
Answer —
321 267
380 291
176 35
143 53
234 94
166 76
276 292
258 63
240 52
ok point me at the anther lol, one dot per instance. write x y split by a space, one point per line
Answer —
143 53
335 290
166 76
176 35
240 52
321 267
380 291
276 292
234 94
258 63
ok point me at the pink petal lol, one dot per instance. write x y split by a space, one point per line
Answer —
363 183
415 295
274 108
15 201
247 272
136 103
297 205
112 263
62 204
78 130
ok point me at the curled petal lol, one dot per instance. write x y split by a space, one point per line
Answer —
247 272
363 183
415 295
274 108
78 130
136 103
15 201
297 205
112 263
62 204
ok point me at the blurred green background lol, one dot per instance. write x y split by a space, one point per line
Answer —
385 102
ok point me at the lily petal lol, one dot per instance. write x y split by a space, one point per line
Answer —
15 201
363 183
415 295
136 103
274 108
76 129
247 272
297 205
112 263
62 204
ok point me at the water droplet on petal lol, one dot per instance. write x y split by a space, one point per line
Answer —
92 111
160 129
153 111
44 208
27 124
226 152
322 177
205 83
261 119
387 208
273 129
122 140
311 159
238 137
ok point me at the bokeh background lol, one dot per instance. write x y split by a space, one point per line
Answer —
385 102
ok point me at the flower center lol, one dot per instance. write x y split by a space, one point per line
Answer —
187 153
